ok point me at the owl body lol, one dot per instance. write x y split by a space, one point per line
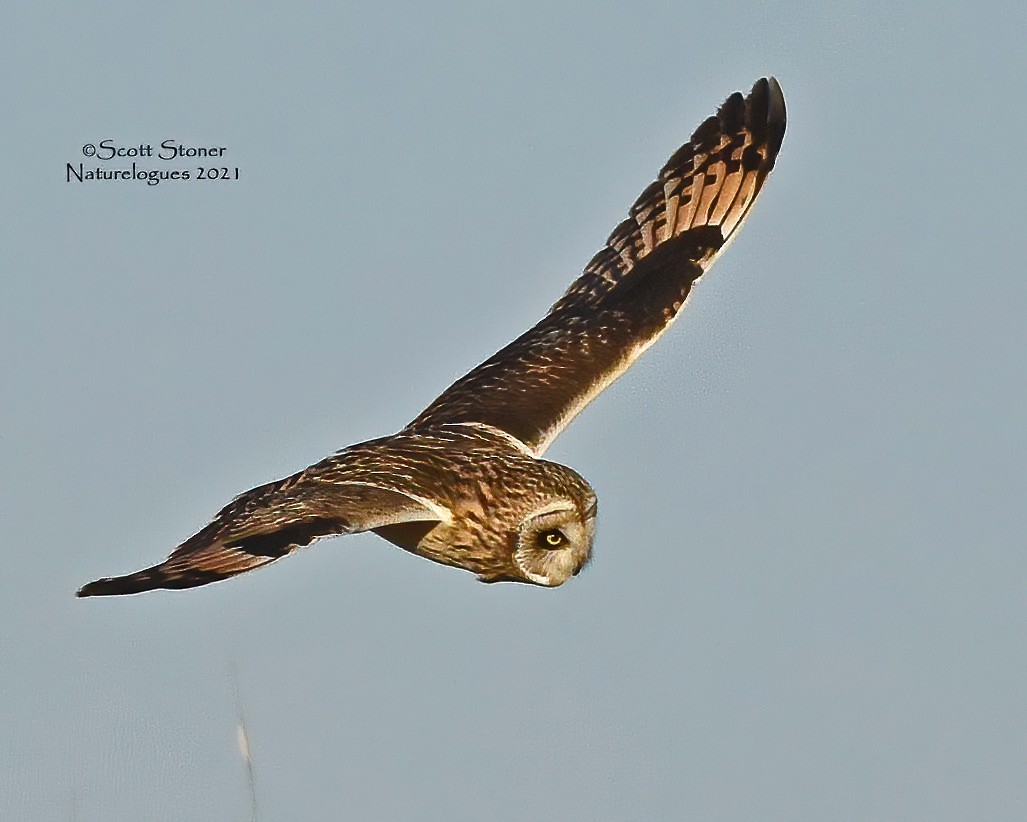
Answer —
465 483
491 497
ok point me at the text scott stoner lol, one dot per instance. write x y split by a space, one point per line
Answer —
168 150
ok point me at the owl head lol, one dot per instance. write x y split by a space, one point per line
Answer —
514 518
554 542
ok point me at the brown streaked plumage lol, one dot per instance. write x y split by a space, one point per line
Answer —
464 484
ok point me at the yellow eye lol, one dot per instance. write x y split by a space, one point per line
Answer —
553 538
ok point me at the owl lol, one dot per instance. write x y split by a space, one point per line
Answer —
465 484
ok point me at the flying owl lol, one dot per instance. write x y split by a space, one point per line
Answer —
465 484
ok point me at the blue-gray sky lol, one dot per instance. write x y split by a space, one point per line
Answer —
809 595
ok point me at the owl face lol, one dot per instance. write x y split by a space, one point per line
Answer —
555 542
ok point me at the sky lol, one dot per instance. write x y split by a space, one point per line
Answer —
808 598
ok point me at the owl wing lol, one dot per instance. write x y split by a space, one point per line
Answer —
633 289
267 523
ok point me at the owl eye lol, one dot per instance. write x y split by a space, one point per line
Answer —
553 538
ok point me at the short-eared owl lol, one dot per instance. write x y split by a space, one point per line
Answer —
465 484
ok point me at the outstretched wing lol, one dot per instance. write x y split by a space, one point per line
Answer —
633 289
267 523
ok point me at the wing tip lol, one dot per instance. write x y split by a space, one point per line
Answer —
135 583
145 580
109 586
777 115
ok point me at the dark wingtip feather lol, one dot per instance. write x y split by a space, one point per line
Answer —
115 586
776 114
148 580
